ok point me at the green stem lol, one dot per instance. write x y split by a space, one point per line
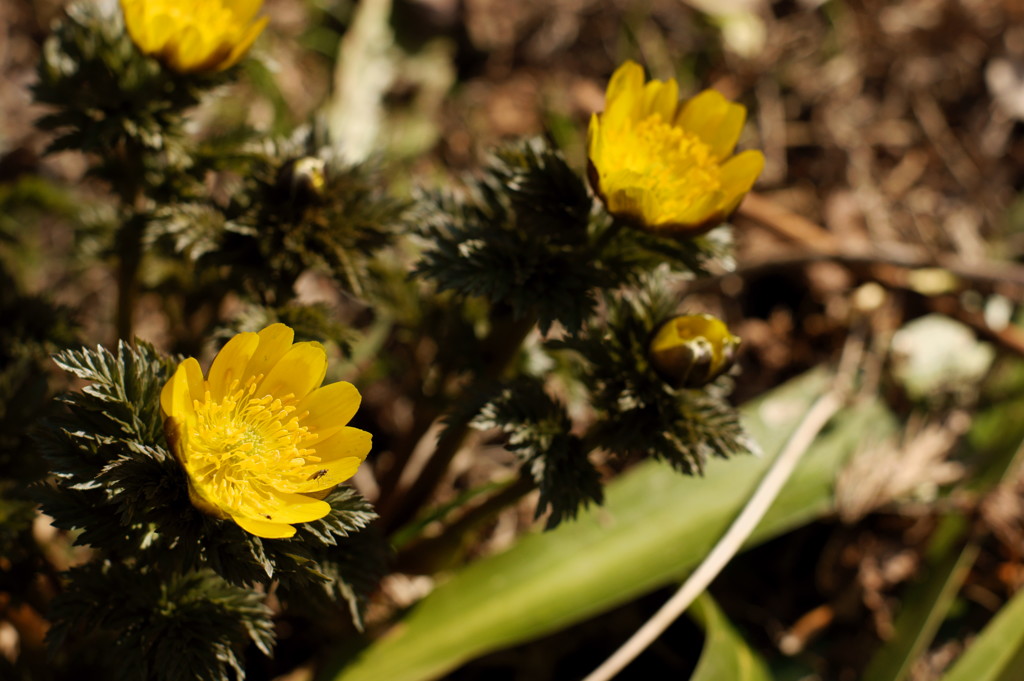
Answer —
507 335
128 185
129 250
440 551
401 502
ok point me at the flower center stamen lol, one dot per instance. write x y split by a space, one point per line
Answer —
244 438
672 166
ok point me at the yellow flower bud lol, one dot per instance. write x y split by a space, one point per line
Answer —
302 180
193 36
690 351
665 166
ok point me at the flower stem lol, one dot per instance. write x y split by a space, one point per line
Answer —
129 250
128 183
416 484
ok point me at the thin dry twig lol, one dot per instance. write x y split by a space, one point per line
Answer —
787 224
823 245
771 484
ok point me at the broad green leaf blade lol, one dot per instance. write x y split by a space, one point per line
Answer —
927 603
1014 669
656 525
998 652
726 655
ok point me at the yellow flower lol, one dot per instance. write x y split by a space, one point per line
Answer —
665 166
694 349
191 36
259 437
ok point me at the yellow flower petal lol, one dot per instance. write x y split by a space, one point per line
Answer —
740 172
624 99
348 442
185 51
661 98
244 10
738 176
244 43
627 199
298 372
177 404
158 28
229 364
340 457
201 500
714 119
275 340
185 386
699 212
329 408
134 19
292 508
261 528
594 138
625 83
330 474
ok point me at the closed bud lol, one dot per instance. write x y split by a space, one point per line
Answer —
301 181
690 351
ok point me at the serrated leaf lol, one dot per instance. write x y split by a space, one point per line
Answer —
175 628
350 512
518 237
539 431
126 386
548 197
